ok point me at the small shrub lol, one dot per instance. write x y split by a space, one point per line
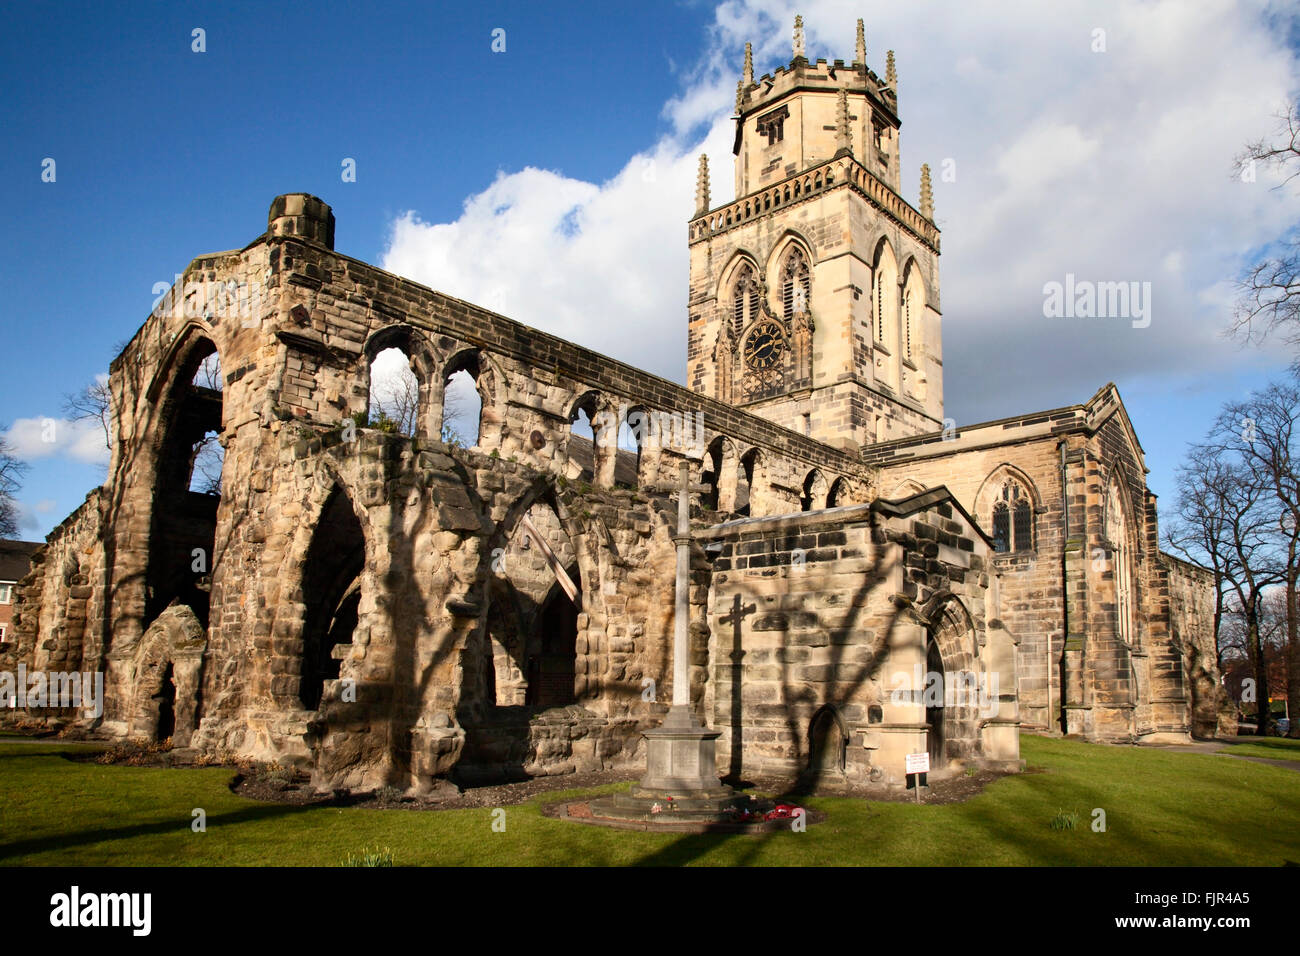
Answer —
1064 820
389 794
114 754
384 424
368 857
277 776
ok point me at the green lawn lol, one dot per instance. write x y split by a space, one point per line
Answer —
1161 808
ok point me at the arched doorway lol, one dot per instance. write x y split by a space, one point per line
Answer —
552 668
166 698
331 588
934 703
827 743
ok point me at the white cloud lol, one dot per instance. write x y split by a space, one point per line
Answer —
1112 166
31 439
27 517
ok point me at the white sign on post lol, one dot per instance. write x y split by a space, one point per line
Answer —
918 763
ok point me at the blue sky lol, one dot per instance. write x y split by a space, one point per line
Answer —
553 181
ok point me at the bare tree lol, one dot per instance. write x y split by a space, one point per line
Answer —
208 374
11 472
1269 292
92 403
397 400
1262 432
1228 518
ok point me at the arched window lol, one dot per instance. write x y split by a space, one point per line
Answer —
913 310
814 492
796 284
187 479
463 397
462 407
744 300
1117 533
394 392
886 306
1013 519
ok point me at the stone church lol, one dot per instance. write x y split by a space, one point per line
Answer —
867 580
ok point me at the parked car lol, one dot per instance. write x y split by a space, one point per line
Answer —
1282 727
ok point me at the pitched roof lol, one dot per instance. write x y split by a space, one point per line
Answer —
16 558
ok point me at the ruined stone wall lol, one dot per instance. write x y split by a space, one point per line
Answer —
408 549
1191 625
60 601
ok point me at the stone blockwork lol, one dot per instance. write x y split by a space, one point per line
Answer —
1095 605
827 630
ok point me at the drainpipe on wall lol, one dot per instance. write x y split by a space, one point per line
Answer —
1065 587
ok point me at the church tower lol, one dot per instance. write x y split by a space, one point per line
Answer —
814 294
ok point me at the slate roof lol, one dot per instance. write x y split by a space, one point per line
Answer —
16 559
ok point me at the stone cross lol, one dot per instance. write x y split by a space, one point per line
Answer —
680 711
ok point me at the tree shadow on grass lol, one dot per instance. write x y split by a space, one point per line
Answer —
18 848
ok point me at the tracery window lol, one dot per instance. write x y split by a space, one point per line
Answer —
1122 564
744 300
796 284
1013 519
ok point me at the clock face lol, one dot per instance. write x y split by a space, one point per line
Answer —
765 346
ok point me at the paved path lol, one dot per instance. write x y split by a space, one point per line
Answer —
1225 747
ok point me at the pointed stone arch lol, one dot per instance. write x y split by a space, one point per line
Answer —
332 590
742 275
1007 505
182 526
791 243
905 489
828 741
1122 539
719 469
752 494
915 298
547 646
598 461
952 696
166 678
815 491
490 385
423 359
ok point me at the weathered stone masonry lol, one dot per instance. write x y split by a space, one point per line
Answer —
382 608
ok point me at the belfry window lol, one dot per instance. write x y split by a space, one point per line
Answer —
773 125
